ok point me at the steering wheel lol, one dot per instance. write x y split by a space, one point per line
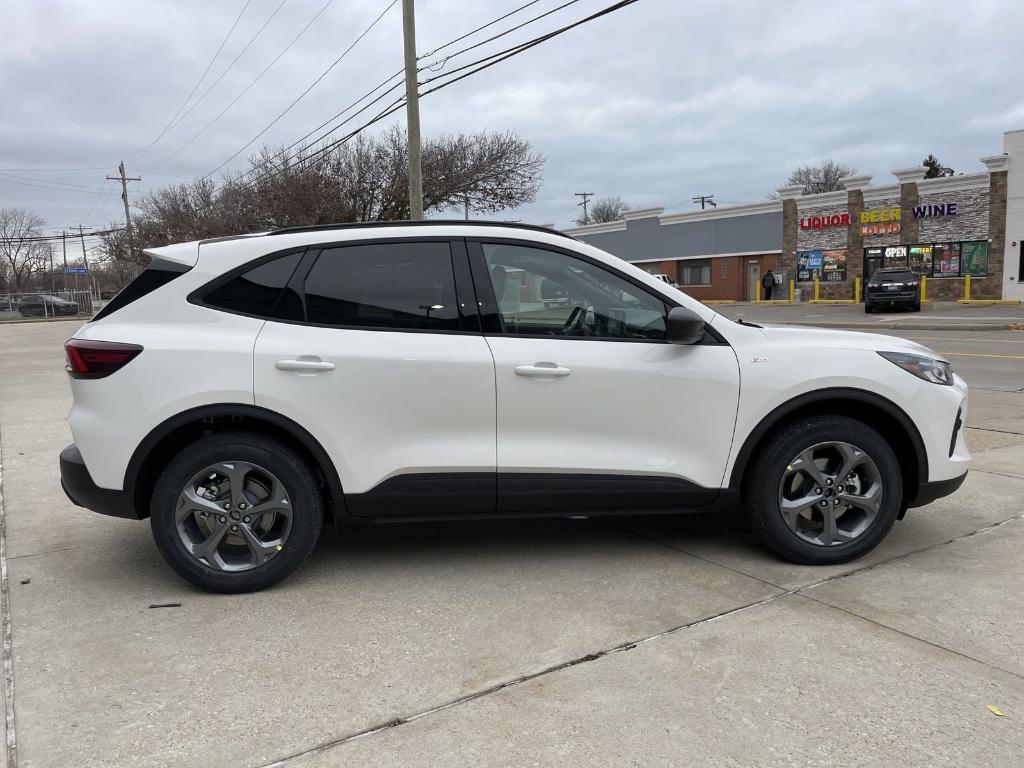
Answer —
572 320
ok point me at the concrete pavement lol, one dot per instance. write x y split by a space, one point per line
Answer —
663 641
933 316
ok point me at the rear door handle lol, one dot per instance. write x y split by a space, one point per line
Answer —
304 364
542 370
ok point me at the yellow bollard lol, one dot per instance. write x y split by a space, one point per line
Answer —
856 290
792 291
757 293
924 289
967 287
817 285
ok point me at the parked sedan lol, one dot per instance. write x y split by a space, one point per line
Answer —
42 305
892 287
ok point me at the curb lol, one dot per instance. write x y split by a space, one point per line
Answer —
896 325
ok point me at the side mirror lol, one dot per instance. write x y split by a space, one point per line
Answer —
683 326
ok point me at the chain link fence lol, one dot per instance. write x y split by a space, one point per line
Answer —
47 306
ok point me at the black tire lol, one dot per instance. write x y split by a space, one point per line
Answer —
300 484
766 474
868 307
916 307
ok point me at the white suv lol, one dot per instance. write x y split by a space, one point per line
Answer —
242 390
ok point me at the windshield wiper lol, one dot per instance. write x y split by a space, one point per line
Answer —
741 321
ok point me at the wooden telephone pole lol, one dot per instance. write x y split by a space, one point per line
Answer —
412 111
124 197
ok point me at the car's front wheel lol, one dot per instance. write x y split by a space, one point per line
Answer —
825 490
236 512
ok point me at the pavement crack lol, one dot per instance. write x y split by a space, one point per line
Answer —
912 636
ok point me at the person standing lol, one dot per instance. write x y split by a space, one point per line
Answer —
768 282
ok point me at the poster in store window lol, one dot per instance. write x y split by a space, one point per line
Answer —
807 264
946 260
833 266
974 258
920 259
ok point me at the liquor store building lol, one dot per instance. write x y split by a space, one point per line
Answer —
942 228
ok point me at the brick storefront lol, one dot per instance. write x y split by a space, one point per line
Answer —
943 228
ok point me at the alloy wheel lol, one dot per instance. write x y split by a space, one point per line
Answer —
830 493
233 516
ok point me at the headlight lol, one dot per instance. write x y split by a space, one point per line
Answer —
927 368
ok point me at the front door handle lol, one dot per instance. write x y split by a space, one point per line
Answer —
304 364
542 370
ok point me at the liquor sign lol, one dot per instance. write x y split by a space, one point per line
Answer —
825 220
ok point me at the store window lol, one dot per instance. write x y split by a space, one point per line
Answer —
946 260
920 259
895 256
725 266
833 266
974 258
696 272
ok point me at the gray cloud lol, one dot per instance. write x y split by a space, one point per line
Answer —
656 103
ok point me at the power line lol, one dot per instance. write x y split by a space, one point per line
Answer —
472 32
49 181
50 170
490 61
508 53
308 89
369 93
83 191
141 153
248 87
227 69
509 31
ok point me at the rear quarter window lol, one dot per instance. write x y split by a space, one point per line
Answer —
261 291
159 274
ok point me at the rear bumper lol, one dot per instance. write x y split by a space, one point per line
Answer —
936 489
79 487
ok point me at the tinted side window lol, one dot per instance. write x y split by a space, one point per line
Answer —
403 286
546 293
261 291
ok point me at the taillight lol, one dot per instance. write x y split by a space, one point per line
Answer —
95 359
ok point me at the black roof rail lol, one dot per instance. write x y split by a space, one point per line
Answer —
423 223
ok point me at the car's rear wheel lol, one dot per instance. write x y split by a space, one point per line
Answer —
825 490
236 512
869 307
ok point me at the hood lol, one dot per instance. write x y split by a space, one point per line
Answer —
805 336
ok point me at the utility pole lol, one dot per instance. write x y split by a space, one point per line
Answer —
124 197
466 201
586 196
85 260
412 110
64 244
52 288
705 200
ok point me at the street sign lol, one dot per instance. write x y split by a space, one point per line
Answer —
76 270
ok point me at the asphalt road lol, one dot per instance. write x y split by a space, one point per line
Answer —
650 642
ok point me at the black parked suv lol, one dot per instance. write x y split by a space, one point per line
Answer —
892 287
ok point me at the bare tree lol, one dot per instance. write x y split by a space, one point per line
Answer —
364 179
605 209
20 255
822 177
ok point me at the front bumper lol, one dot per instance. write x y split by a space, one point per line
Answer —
79 487
936 489
895 297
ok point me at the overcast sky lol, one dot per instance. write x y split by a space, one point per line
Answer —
658 102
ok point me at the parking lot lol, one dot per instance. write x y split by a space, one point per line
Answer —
645 641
